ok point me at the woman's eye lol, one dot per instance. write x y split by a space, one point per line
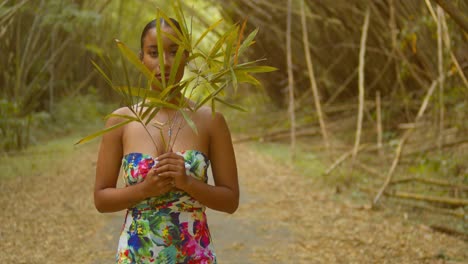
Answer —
153 53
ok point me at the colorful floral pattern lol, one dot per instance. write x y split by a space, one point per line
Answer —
167 229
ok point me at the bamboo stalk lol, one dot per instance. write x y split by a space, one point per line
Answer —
456 15
362 53
290 81
430 198
379 124
342 158
447 43
459 186
313 83
403 139
430 148
440 62
277 135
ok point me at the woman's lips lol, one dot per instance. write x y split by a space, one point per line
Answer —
165 76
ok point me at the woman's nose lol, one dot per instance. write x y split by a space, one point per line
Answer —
167 60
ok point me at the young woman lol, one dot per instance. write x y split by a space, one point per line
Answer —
166 193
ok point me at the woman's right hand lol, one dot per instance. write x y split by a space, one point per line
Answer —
153 185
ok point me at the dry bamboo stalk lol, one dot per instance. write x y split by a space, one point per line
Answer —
449 231
290 81
313 83
430 148
342 158
403 139
447 43
341 88
429 198
456 15
459 186
362 53
367 169
277 135
379 123
433 209
440 62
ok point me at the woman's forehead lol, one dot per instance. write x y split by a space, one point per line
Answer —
151 37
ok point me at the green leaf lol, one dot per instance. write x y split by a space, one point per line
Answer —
234 106
208 30
176 65
189 121
102 132
256 69
131 118
161 54
108 80
211 95
130 55
247 42
246 78
137 91
234 79
179 14
152 115
230 42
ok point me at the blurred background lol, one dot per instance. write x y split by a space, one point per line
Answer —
370 98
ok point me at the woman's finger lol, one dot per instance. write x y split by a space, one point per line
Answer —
170 167
168 155
168 175
170 161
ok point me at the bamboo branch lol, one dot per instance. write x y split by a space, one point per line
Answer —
313 83
362 52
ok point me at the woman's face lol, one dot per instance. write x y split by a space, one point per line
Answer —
150 56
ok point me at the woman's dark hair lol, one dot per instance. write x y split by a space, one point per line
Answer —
152 24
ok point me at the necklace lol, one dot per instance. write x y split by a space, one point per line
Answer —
172 136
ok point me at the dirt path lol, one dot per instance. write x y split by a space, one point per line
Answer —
48 217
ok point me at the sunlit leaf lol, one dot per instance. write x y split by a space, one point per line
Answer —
247 42
234 106
189 121
108 80
130 55
128 117
102 132
176 65
208 30
256 69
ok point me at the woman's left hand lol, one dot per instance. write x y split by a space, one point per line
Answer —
172 165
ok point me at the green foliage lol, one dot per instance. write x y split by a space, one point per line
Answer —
216 70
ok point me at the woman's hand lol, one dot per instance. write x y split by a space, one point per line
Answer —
155 185
172 166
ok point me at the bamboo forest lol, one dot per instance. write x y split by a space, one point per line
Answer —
311 131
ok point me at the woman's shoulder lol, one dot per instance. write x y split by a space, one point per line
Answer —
213 120
207 114
118 115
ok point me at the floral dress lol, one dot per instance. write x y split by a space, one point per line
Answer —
171 228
